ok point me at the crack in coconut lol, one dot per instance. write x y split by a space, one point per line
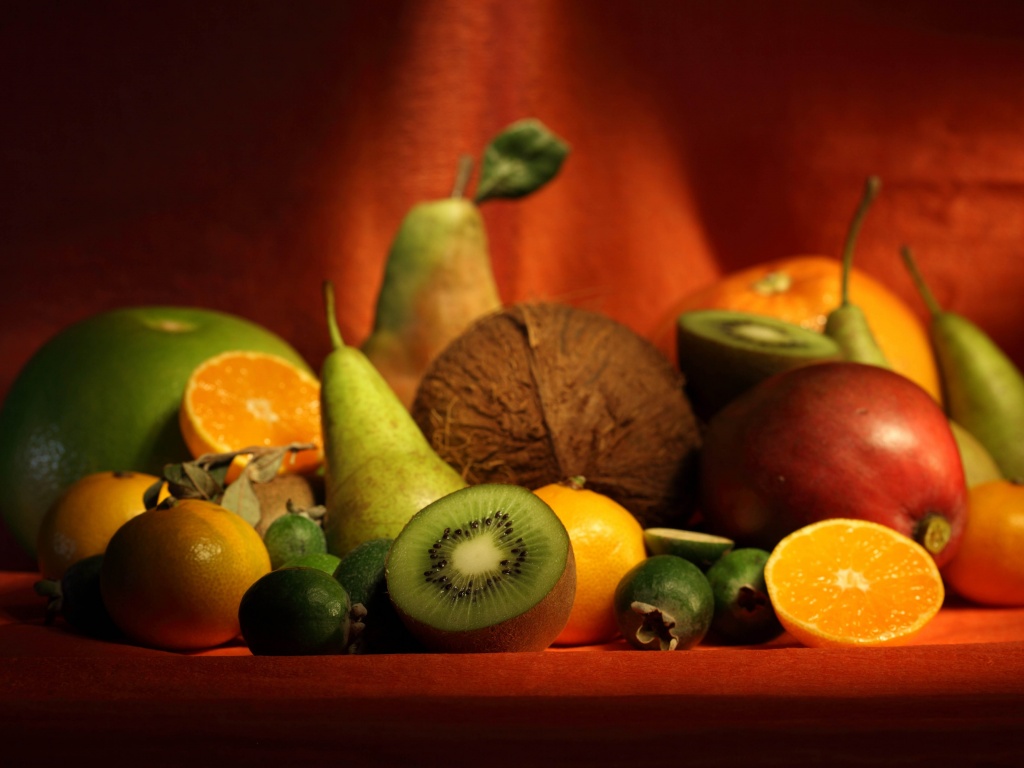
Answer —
536 393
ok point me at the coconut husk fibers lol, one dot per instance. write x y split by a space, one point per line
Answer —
537 393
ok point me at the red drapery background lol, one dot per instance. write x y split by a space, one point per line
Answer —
234 155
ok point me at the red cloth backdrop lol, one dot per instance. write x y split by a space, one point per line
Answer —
233 155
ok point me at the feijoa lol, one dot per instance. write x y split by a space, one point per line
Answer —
361 573
77 599
743 610
295 612
701 549
664 603
325 561
293 535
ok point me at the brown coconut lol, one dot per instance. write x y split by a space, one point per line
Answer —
537 393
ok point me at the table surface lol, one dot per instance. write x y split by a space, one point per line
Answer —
954 697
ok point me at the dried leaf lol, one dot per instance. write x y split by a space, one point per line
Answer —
240 498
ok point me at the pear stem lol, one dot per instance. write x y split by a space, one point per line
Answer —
462 175
870 193
332 319
922 287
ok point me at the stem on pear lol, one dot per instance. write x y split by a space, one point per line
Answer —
922 286
462 175
332 319
870 193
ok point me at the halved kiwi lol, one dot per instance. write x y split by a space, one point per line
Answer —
722 353
488 568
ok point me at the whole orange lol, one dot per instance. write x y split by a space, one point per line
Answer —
988 567
804 290
84 517
607 540
173 577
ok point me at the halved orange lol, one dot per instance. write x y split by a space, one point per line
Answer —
238 400
844 583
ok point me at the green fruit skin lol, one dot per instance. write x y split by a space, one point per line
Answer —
103 394
293 536
743 610
324 561
295 612
361 573
983 390
678 589
379 469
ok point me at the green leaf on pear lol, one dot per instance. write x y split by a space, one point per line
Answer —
521 159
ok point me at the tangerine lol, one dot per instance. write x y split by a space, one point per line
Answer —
239 399
173 577
85 516
988 567
804 290
844 582
607 540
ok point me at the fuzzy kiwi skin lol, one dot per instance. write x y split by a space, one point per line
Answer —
534 630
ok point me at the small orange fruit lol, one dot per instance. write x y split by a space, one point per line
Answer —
84 517
238 400
804 290
173 577
607 540
845 583
988 568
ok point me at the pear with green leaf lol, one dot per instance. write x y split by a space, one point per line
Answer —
438 277
380 469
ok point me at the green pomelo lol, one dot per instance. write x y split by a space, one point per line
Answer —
103 394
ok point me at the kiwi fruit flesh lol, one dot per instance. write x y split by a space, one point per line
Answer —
488 568
723 353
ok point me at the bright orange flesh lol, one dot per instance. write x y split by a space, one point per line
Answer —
852 583
241 399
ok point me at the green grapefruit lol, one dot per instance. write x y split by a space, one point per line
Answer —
103 395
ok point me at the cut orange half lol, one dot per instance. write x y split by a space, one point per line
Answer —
844 583
238 400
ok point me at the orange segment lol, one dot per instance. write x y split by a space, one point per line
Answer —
237 400
852 583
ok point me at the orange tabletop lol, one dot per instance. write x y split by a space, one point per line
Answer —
954 697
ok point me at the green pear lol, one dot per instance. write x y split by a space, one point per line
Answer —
982 387
437 281
979 466
379 468
847 324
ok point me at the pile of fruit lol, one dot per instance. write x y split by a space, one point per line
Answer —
480 478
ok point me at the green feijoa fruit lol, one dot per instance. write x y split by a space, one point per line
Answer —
324 561
701 549
295 612
361 573
664 603
291 536
743 611
77 599
487 568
